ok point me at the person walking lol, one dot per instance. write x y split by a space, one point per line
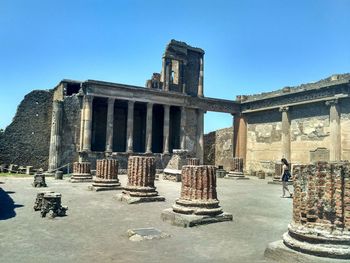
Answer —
285 177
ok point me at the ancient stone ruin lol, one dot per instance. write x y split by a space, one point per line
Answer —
81 172
321 212
236 171
141 176
172 171
198 203
49 202
193 161
106 176
39 180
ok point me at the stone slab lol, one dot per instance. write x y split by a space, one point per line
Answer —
279 252
183 220
136 200
104 188
140 234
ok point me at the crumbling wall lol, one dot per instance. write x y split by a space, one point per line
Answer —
224 147
26 140
209 148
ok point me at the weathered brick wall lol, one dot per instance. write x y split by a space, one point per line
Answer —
26 140
322 196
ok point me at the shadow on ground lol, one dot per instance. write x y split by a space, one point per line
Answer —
7 205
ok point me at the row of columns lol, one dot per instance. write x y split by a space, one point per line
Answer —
86 125
240 132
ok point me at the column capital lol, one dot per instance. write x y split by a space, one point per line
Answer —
284 108
88 98
331 102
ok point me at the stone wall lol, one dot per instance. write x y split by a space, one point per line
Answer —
218 147
345 128
191 131
26 140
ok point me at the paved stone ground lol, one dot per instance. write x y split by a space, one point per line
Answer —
95 228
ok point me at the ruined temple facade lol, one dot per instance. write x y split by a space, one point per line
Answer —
95 119
305 124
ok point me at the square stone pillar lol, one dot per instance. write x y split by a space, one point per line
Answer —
109 126
130 127
240 136
149 127
335 134
286 152
166 129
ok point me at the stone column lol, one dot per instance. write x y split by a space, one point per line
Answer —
198 198
55 139
285 133
106 175
335 134
193 161
200 135
87 108
183 129
201 77
81 172
240 136
109 128
149 127
166 129
167 74
130 126
141 176
162 77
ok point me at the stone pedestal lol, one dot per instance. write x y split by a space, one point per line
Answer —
141 175
29 170
236 171
172 171
321 212
198 203
106 176
81 172
39 180
39 200
51 204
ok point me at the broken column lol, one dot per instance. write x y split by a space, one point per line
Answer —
321 214
236 169
39 180
39 200
81 172
198 203
51 204
106 175
141 176
193 161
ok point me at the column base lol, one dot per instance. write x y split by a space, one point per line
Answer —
184 220
236 176
81 178
105 185
135 200
279 252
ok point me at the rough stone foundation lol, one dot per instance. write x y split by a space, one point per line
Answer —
321 210
81 172
106 176
198 203
141 176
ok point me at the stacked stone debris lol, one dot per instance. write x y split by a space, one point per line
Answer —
236 169
321 210
106 175
39 200
141 176
81 172
51 204
198 202
39 180
193 161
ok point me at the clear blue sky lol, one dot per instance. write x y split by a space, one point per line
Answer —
251 46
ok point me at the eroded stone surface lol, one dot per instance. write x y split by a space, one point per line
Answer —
140 234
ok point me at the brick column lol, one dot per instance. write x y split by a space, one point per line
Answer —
130 127
109 127
166 129
183 129
106 175
87 122
55 138
149 120
240 136
335 134
285 133
81 172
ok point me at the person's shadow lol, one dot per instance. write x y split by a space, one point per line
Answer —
7 205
